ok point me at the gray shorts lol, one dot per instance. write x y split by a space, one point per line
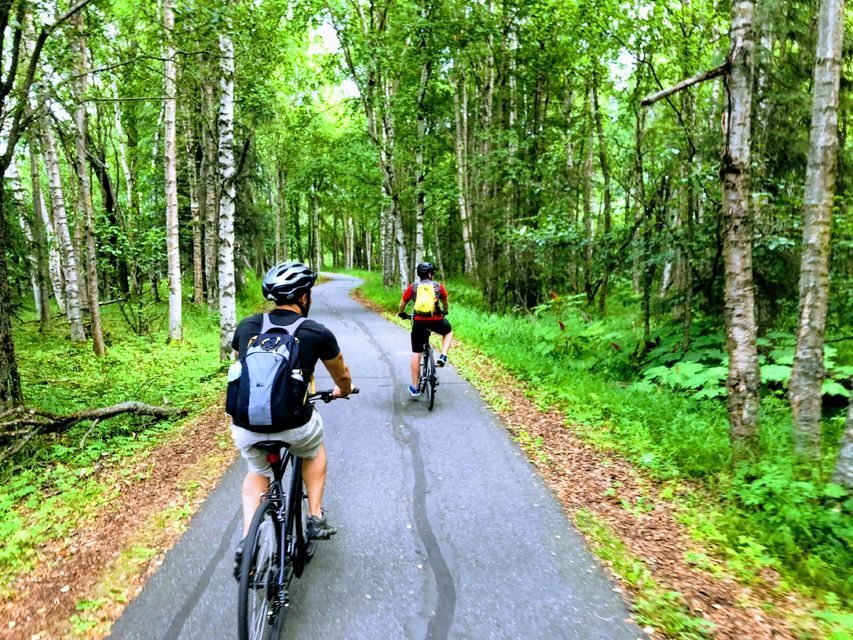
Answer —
304 442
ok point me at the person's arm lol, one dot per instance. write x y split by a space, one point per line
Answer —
443 298
404 301
339 371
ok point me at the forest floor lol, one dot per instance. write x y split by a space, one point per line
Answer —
86 578
677 588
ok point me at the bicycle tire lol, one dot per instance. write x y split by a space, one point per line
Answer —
257 593
430 382
423 371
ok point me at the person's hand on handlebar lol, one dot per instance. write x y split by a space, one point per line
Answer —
404 315
336 392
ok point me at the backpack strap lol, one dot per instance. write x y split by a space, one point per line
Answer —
294 327
267 324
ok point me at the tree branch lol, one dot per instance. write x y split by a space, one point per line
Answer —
44 421
684 84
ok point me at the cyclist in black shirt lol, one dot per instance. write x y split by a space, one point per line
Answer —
288 285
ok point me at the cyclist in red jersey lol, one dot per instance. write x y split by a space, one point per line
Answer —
425 321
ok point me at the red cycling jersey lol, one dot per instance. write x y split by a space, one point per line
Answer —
407 296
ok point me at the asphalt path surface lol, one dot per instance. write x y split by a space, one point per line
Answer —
444 529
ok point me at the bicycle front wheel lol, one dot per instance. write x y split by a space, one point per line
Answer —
259 576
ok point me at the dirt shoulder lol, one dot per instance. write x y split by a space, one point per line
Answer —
85 580
601 487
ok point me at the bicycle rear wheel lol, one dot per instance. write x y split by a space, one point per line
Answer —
259 573
430 381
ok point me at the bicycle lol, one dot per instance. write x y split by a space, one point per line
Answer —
427 378
277 548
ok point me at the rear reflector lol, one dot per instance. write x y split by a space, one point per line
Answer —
272 458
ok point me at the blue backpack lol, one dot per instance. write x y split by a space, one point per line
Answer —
266 392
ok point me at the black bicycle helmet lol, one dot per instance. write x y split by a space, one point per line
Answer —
285 282
424 269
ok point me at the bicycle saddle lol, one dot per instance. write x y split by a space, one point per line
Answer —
271 446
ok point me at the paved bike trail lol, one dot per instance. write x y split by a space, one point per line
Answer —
445 530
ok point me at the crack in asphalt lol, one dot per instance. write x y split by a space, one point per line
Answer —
408 436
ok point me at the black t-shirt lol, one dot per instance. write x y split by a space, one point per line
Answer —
315 340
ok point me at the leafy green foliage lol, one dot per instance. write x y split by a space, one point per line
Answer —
771 512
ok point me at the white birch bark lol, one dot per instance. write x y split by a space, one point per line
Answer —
743 376
843 473
804 391
81 84
195 217
122 156
350 243
176 330
53 260
212 194
227 286
69 257
14 181
461 117
49 266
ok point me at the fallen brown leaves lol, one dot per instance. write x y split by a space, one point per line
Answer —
584 478
70 568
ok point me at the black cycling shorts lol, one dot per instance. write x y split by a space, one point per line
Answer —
421 329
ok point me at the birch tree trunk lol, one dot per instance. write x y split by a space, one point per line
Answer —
227 286
605 174
843 473
53 260
350 243
804 389
420 196
43 235
587 219
85 196
461 117
743 376
212 196
281 198
316 250
195 217
69 257
13 179
176 330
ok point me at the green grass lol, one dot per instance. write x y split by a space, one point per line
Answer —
56 482
772 510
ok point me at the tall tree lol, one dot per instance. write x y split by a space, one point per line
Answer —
804 390
87 209
69 254
176 330
743 377
24 62
227 284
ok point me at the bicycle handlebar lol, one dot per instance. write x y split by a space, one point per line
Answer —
326 395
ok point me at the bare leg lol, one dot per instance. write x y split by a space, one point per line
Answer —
314 476
254 485
416 366
445 342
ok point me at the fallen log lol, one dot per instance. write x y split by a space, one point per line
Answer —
44 422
